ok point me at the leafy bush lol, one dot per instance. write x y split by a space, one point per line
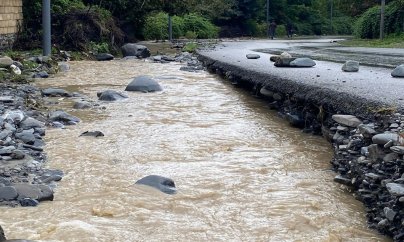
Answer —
102 47
342 25
156 26
280 31
262 30
191 35
193 26
203 28
368 24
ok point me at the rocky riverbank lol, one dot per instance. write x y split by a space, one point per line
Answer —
368 138
24 180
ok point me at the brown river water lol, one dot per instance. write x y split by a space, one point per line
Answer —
241 172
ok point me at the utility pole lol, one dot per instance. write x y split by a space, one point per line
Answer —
170 28
382 19
331 15
46 25
268 18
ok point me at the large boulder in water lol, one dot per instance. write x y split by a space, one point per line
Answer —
140 51
163 184
110 95
143 84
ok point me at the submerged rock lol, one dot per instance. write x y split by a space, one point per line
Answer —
163 184
55 92
111 95
104 57
62 116
92 133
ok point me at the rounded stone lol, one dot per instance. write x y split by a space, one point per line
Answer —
351 66
143 84
382 139
8 193
253 56
302 62
398 71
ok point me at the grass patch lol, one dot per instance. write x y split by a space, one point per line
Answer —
190 47
391 41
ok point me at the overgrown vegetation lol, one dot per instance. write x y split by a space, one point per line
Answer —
103 25
191 26
367 26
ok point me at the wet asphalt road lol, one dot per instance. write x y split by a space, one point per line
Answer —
371 83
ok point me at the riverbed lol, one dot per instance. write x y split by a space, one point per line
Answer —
242 173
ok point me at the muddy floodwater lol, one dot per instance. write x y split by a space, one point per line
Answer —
241 172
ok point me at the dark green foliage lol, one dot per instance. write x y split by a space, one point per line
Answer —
203 28
156 27
190 25
367 26
74 25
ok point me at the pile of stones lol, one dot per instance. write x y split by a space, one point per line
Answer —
369 159
23 180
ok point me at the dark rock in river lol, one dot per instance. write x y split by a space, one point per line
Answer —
55 92
37 192
92 133
139 51
82 105
110 95
28 202
143 84
167 58
163 184
104 57
63 66
294 120
63 117
41 74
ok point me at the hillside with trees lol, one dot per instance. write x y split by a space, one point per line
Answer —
83 24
